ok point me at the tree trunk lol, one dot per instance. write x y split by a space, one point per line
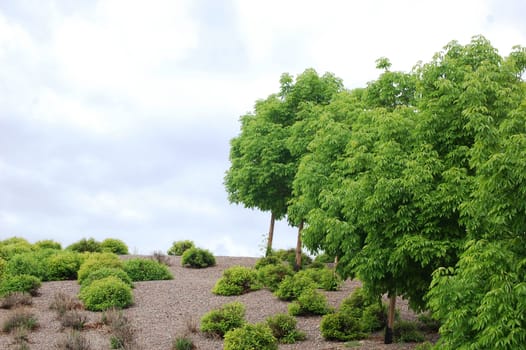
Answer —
298 248
270 234
390 319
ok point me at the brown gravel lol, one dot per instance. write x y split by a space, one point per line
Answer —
164 309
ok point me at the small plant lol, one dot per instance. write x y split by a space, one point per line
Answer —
19 283
161 258
198 258
123 334
74 340
16 299
86 245
236 280
21 339
179 247
324 278
191 324
292 286
115 246
48 244
63 265
250 336
106 272
272 275
407 332
146 270
219 321
62 303
106 293
341 326
267 260
183 343
97 261
283 328
20 319
289 256
310 302
73 319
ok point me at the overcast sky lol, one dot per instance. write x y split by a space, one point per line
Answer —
116 115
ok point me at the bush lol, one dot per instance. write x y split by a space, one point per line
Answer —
310 302
197 258
32 263
428 323
19 283
272 275
292 286
324 258
20 320
183 343
106 293
219 321
283 328
236 280
3 266
97 261
115 246
16 299
179 247
250 336
325 278
74 341
86 245
48 244
424 346
374 317
146 270
407 332
289 256
266 261
341 326
63 266
106 272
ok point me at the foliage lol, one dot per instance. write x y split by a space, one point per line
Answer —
179 247
146 270
198 258
272 275
236 280
63 265
408 332
20 320
250 336
341 326
293 286
219 321
16 299
86 245
183 342
289 256
310 302
30 263
284 329
19 283
14 245
113 245
96 261
3 266
104 272
270 259
324 278
48 244
106 293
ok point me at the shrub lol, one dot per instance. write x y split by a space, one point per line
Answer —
31 263
341 326
19 283
3 266
325 278
283 328
86 245
324 258
428 323
179 247
292 286
236 280
424 346
198 258
106 293
267 260
63 265
48 244
289 256
250 336
106 272
97 261
20 319
374 317
310 302
219 321
16 299
115 246
74 341
183 343
272 275
62 303
146 270
407 332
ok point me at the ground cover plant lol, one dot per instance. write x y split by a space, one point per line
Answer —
283 328
106 293
250 336
146 270
237 280
219 321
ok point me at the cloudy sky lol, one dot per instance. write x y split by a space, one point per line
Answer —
116 115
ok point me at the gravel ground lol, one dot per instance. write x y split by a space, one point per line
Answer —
163 310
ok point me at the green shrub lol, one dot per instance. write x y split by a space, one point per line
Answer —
9 250
325 278
250 336
179 247
292 286
407 332
32 263
96 261
374 317
106 272
20 320
48 244
14 240
289 256
323 258
63 265
267 260
3 266
219 321
19 283
146 270
272 275
357 300
341 326
197 258
283 328
424 346
428 323
310 302
106 293
183 343
236 280
113 245
86 245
